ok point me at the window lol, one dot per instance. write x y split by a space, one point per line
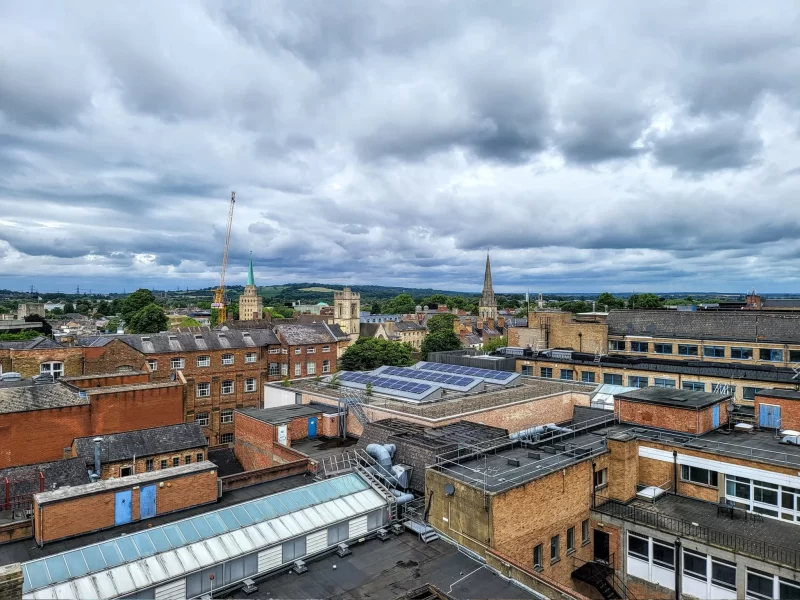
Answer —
164 463
714 351
203 389
695 565
737 487
663 383
284 351
125 471
294 549
326 348
600 478
226 438
177 363
274 351
201 418
616 345
152 365
662 348
54 368
311 368
612 379
554 550
537 557
770 354
311 350
274 369
545 371
640 346
338 533
723 574
527 370
199 457
759 584
789 590
694 386
187 460
687 350
227 387
250 384
637 382
566 374
570 540
226 416
663 555
585 532
326 366
203 361
176 461
749 393
284 369
742 353
250 357
227 359
148 465
698 475
298 350
765 493
587 376
639 547
298 369
794 356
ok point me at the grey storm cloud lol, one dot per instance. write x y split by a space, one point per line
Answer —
605 145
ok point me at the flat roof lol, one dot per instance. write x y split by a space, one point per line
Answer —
130 387
673 397
783 394
102 376
280 414
387 570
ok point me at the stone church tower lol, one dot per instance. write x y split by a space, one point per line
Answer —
487 309
251 305
347 312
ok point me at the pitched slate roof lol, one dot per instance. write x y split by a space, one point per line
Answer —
143 442
24 480
34 344
22 398
297 335
745 326
408 326
202 339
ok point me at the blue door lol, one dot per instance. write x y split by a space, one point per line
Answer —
122 507
715 416
147 502
312 427
769 416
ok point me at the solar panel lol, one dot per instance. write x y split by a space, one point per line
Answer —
388 383
446 378
470 371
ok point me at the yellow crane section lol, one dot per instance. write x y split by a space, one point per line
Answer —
220 301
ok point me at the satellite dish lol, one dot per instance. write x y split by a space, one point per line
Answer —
449 489
172 377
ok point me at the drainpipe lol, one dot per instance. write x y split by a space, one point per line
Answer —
594 489
677 569
580 342
675 471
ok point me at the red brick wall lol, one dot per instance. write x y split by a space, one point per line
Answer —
41 435
57 520
253 442
318 357
27 362
790 410
110 379
136 409
328 426
667 417
108 358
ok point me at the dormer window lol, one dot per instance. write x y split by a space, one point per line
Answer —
173 338
197 336
146 339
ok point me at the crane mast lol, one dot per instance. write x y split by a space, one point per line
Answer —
220 302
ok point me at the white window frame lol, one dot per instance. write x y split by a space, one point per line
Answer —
274 351
251 357
204 361
326 366
298 369
602 476
226 416
298 350
204 391
53 367
284 369
311 350
326 348
228 359
152 364
177 363
223 385
311 368
284 351
250 384
202 419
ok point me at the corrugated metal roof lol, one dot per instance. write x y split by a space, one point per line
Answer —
141 560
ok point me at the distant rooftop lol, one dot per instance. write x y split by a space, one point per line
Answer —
672 397
25 396
142 442
282 414
783 394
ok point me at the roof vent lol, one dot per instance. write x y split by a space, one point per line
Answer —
198 336
146 338
221 335
172 338
513 462
245 334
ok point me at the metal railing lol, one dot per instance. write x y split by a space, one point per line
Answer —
779 555
602 571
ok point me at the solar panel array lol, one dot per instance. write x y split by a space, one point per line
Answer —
388 383
446 378
472 371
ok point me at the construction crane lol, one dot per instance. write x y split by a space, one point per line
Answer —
220 302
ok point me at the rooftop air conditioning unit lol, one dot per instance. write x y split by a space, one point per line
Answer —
299 567
343 549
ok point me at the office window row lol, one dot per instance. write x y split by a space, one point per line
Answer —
164 463
226 387
555 546
736 352
225 416
203 360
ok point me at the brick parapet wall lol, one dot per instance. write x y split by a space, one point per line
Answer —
684 420
248 478
92 381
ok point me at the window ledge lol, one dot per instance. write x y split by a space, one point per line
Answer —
555 560
570 552
601 487
702 485
585 543
538 568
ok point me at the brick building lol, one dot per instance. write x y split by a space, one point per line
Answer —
40 356
143 450
306 350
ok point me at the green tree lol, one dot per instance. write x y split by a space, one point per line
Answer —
25 334
375 309
644 301
401 305
102 309
116 306
69 308
609 300
370 353
456 302
442 322
495 343
576 306
113 325
440 341
136 302
150 319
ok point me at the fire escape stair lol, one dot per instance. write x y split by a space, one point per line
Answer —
596 574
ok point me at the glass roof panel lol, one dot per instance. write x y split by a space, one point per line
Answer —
77 564
111 554
143 543
37 574
159 539
229 520
189 532
216 523
202 527
57 567
174 536
128 549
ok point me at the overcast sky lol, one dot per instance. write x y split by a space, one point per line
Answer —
592 146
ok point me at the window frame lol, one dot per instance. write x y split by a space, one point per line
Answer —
546 372
298 350
311 350
326 349
226 438
718 562
152 364
177 362
176 461
617 345
298 369
585 532
694 475
251 357
187 460
636 381
688 350
640 539
284 369
54 368
311 368
662 345
224 384
326 366
663 382
637 347
274 369
571 540
588 376
226 415
657 561
538 549
772 353
149 465
199 457
741 350
555 549
794 356
613 377
713 351
762 575
600 475
250 384
164 464
563 374
202 419
228 359
697 556
199 391
693 386
203 360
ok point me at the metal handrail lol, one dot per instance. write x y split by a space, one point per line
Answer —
774 553
616 581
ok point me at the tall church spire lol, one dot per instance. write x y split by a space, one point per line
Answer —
250 279
488 305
